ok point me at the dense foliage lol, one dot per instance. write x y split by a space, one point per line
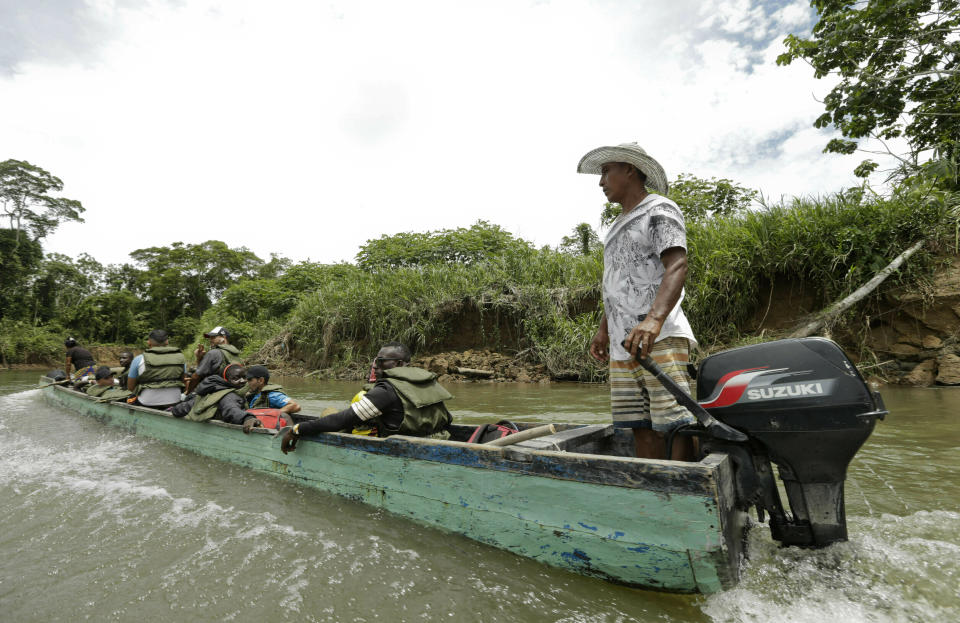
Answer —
698 198
167 287
468 287
462 245
898 63
28 202
831 245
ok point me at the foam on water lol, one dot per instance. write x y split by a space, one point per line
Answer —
104 474
895 569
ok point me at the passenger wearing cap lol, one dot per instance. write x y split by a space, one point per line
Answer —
261 394
214 361
220 398
644 269
105 387
156 376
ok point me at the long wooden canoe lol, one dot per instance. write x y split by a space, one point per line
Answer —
574 500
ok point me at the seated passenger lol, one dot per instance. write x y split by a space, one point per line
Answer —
262 395
214 361
79 358
105 388
404 401
220 398
124 368
156 376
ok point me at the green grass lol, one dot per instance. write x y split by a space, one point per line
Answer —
830 245
339 315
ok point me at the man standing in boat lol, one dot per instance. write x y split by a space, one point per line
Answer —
405 400
214 361
644 269
78 358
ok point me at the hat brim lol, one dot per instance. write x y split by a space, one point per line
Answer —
594 160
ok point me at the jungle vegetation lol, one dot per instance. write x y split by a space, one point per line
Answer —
469 287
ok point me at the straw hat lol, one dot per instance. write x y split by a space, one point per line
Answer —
630 153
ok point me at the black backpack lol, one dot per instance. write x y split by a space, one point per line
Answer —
489 432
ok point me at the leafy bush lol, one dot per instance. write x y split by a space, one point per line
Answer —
832 244
20 342
481 241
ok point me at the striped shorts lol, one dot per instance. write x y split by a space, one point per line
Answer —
638 400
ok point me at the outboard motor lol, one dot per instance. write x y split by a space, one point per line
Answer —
804 407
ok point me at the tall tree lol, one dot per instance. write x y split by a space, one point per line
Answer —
898 62
61 283
185 279
19 261
25 196
581 241
463 245
698 198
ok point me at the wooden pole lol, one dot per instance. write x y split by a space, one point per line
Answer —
832 311
524 435
475 372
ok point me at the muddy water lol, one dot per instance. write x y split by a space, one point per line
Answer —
102 525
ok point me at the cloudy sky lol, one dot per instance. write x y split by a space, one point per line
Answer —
305 127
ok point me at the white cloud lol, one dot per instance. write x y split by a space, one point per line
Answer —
305 128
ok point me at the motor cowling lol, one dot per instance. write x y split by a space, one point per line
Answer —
806 409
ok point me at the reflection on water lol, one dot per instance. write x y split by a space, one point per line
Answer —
102 524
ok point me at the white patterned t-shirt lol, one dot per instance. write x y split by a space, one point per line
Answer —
632 270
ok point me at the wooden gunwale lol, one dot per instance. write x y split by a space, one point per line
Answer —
395 473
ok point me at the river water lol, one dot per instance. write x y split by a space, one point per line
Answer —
102 525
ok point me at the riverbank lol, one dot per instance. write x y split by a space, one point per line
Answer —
910 336
916 337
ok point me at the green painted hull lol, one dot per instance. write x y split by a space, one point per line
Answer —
659 525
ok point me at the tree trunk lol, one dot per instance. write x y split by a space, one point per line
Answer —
832 311
475 372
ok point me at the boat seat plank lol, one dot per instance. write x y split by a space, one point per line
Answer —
569 439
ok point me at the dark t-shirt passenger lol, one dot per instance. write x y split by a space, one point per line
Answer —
384 399
80 357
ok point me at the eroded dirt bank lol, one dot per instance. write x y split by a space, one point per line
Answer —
917 338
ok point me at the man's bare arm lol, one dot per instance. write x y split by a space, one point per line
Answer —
192 383
600 345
